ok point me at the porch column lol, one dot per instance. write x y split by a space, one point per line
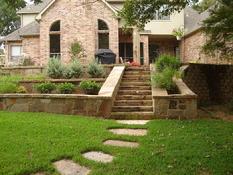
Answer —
136 45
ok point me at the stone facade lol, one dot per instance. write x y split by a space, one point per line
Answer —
78 23
191 50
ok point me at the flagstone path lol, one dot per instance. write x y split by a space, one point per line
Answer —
68 167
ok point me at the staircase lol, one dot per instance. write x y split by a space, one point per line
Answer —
134 98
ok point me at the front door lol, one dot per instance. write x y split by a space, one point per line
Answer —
153 52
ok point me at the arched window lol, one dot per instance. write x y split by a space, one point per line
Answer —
103 35
55 37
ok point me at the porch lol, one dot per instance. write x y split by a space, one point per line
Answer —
146 48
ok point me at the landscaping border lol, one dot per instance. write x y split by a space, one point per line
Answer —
174 106
90 105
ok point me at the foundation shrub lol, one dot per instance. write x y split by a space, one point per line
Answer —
164 79
66 88
67 72
8 87
9 83
166 68
76 68
165 61
55 68
90 87
45 88
95 70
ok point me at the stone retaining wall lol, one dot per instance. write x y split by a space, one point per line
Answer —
212 83
90 105
22 70
175 106
32 70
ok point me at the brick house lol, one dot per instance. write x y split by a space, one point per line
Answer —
49 28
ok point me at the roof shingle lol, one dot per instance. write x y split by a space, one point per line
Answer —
31 29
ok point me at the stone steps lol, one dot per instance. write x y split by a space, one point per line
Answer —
136 76
133 103
141 68
132 108
132 115
134 97
141 78
132 87
135 83
137 73
134 92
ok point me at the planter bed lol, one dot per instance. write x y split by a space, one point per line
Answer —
175 106
90 105
30 84
180 104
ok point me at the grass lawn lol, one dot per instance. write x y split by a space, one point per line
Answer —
30 142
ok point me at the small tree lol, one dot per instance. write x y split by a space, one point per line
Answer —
76 50
218 28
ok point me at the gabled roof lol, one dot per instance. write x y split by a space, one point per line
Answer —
32 29
52 1
34 8
193 19
45 4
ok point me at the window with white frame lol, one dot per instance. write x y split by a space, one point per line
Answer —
16 52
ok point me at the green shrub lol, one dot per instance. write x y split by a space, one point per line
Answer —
76 68
66 88
90 87
164 79
95 70
8 87
45 88
10 78
230 105
165 61
76 50
55 68
67 72
21 90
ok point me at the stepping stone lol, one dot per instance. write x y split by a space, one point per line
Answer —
98 156
39 173
130 132
68 167
121 143
133 122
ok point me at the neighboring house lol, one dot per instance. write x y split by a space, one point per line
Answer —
49 28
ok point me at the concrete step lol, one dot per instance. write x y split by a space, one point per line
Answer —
134 97
133 87
133 115
132 108
135 83
134 92
133 103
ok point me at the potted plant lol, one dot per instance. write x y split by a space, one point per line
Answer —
178 33
90 87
